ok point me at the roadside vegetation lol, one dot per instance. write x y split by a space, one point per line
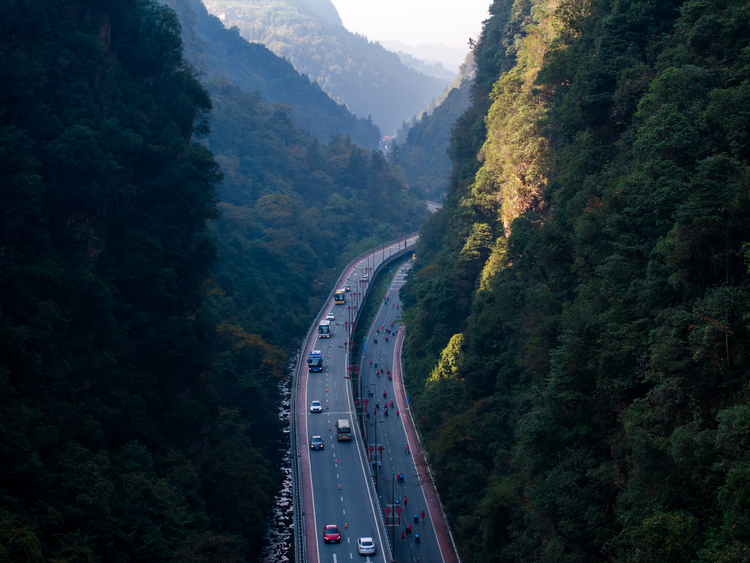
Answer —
163 245
578 340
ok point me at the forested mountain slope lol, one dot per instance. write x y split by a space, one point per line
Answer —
221 53
105 358
138 374
423 145
294 211
370 80
578 337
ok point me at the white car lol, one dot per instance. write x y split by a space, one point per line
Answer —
366 546
330 317
315 406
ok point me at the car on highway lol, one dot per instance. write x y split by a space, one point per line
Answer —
366 546
316 443
347 288
315 406
364 278
330 317
331 534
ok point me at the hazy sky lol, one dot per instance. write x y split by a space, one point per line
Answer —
447 22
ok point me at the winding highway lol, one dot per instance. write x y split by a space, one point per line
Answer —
336 485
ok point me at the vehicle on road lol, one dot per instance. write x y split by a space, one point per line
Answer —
339 297
324 329
315 406
366 546
330 316
316 443
364 278
331 534
315 361
347 288
343 430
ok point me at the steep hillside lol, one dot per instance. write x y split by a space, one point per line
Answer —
221 53
578 342
108 403
293 212
361 74
423 146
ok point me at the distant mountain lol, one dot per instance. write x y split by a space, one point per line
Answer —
450 57
370 80
423 155
435 69
221 53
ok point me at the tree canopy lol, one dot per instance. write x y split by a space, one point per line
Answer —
144 324
578 313
222 54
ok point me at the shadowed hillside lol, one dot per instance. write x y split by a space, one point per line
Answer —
221 53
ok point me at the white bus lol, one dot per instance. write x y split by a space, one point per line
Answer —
324 329
343 430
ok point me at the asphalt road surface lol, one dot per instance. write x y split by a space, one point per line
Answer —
338 473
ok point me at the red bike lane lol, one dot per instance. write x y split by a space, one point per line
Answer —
440 524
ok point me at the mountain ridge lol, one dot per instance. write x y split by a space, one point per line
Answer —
451 57
221 53
363 75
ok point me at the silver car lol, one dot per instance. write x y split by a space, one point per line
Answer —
315 406
366 546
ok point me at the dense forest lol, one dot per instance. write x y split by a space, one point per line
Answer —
294 212
220 53
361 74
421 146
163 244
578 315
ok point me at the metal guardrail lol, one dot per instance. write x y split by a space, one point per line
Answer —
300 553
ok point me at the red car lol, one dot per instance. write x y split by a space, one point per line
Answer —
331 534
